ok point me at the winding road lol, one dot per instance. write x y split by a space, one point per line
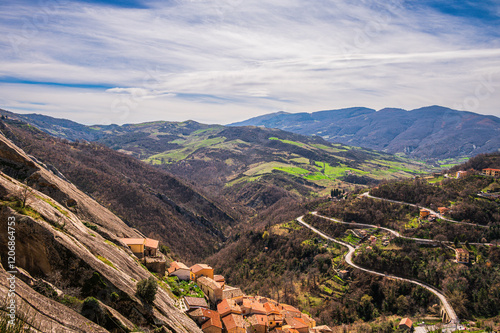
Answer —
367 194
348 258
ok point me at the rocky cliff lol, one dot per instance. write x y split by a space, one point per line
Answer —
68 249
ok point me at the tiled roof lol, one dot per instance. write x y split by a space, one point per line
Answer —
219 278
461 250
198 267
227 306
133 241
152 243
195 301
213 321
296 323
407 322
258 320
175 265
208 282
232 321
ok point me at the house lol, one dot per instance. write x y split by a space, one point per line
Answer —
228 306
234 323
274 316
462 256
443 210
180 270
200 270
343 274
432 217
231 292
195 303
220 280
492 172
461 174
201 315
406 324
210 288
257 324
212 325
424 213
297 324
142 247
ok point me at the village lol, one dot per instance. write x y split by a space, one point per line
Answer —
222 308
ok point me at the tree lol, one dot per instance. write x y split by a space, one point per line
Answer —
24 194
146 289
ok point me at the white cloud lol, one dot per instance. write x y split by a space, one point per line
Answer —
222 61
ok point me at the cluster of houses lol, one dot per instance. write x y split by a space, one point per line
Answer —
229 310
146 249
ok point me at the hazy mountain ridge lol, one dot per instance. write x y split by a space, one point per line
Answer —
432 132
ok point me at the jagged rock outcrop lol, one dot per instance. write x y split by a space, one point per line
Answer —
53 243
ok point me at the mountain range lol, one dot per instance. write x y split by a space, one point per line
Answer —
428 133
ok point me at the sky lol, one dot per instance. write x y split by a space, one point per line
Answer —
222 61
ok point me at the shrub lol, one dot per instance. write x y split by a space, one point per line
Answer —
147 288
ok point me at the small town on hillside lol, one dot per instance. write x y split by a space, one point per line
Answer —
226 309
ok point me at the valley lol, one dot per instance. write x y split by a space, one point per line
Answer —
229 196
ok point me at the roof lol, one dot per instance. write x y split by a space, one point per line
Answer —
271 308
198 267
195 301
232 321
227 306
296 323
213 321
133 241
175 265
491 169
407 322
152 243
208 282
461 250
424 210
219 278
257 307
201 315
148 242
258 320
322 328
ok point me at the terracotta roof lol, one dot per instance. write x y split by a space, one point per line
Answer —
461 250
257 307
227 306
213 321
201 315
258 320
491 169
219 278
198 267
296 323
195 301
152 243
175 265
322 328
232 321
407 322
271 308
133 241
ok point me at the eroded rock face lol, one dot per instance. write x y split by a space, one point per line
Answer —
53 241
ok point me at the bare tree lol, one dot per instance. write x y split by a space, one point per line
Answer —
25 193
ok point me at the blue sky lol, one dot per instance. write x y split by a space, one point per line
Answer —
222 61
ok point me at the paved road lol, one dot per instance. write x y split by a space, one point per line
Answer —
367 194
348 258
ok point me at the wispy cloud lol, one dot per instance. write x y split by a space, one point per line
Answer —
221 61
